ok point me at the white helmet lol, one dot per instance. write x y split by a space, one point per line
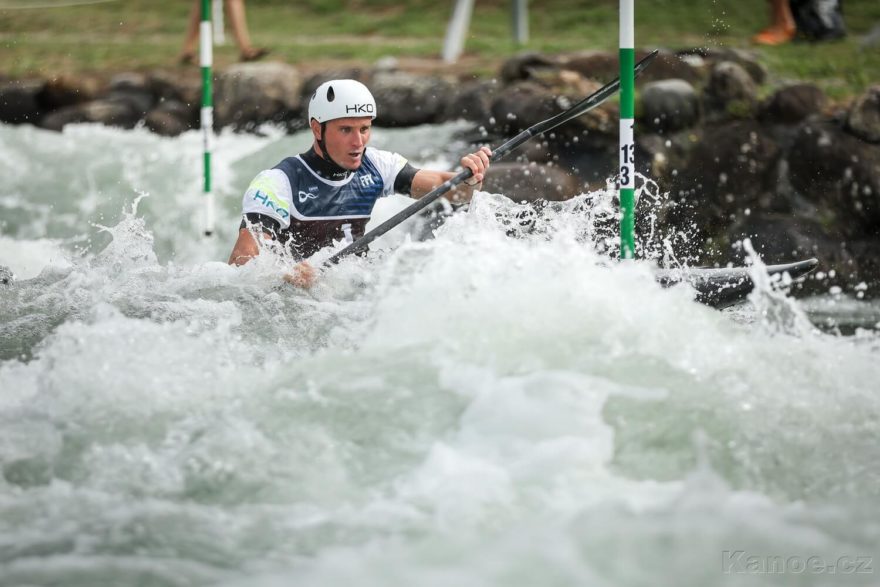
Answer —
341 98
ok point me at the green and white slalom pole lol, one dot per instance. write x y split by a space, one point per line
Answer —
627 144
206 59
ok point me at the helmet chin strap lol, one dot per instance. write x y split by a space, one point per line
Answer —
326 154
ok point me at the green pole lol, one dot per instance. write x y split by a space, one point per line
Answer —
206 58
627 144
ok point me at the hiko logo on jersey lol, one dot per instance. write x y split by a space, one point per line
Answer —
303 196
359 109
272 202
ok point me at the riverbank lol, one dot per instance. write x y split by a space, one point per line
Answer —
73 38
790 168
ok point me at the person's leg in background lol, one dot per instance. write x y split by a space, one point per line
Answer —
187 54
236 14
782 28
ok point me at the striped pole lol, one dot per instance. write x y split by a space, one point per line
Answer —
627 144
207 113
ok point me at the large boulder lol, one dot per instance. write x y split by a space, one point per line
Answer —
605 66
840 175
668 65
530 182
793 103
404 99
67 90
525 65
185 87
731 91
663 157
732 172
785 238
782 238
598 65
19 101
249 94
520 106
132 90
108 112
864 115
471 101
746 59
670 105
171 118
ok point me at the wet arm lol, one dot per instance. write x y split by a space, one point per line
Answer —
426 180
246 247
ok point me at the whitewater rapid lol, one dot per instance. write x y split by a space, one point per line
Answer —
473 409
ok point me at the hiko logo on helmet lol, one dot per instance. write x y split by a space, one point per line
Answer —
360 109
341 98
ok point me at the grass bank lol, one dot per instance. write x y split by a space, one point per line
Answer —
46 37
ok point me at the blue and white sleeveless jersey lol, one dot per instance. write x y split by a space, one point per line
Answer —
310 211
293 189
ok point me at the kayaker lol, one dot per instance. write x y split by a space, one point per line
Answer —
327 194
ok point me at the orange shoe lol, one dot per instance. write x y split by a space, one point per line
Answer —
775 35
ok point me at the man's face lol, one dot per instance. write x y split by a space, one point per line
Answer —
346 139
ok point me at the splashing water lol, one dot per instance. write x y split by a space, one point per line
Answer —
474 409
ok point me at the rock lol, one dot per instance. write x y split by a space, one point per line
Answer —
840 175
185 87
864 115
404 99
19 101
520 106
670 105
110 113
165 123
793 103
748 60
66 90
530 182
599 65
248 94
524 65
865 254
663 157
471 101
604 66
732 172
534 151
730 91
783 238
171 118
129 82
138 101
669 65
311 84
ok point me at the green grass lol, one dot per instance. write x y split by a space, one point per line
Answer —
141 34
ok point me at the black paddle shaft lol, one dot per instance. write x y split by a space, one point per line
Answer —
581 107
